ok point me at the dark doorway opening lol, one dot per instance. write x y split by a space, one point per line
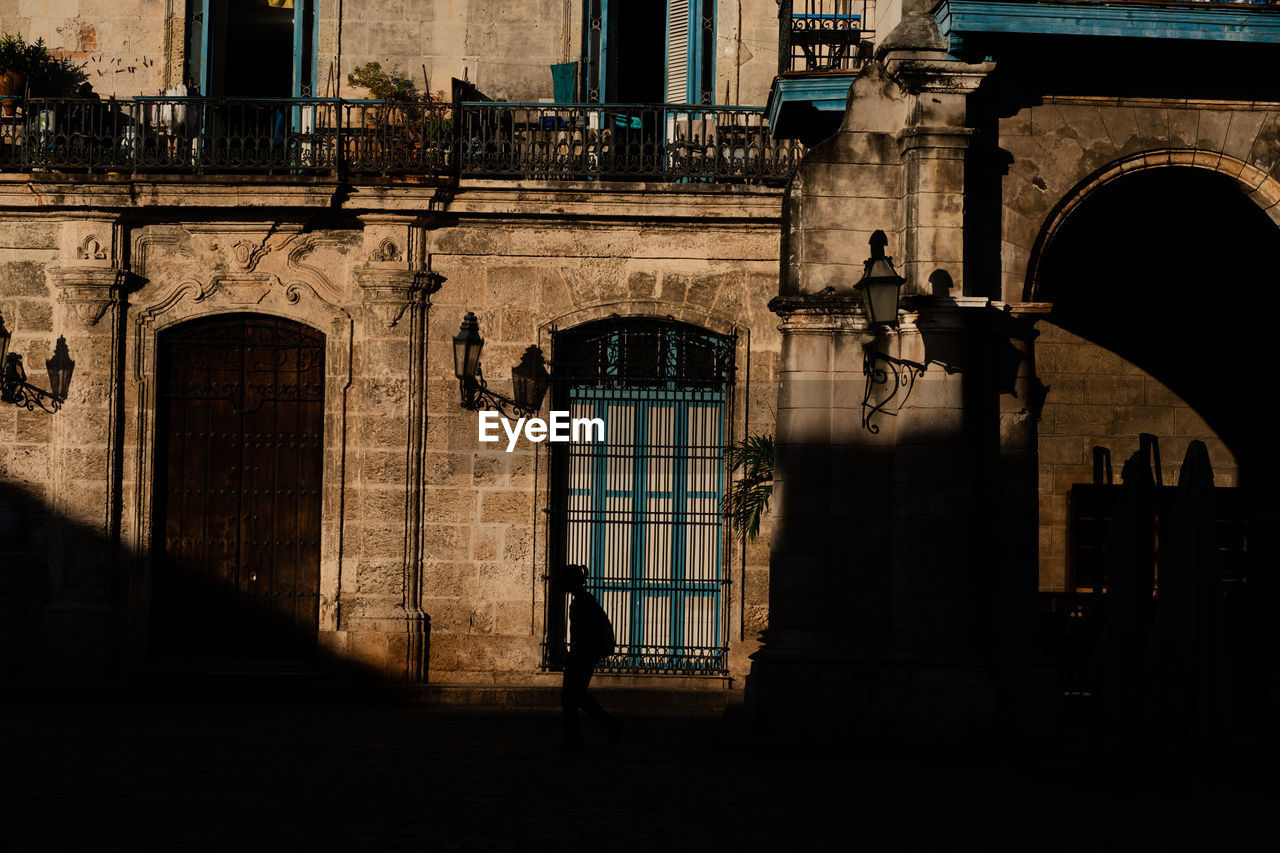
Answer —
259 58
250 49
640 72
239 453
1172 269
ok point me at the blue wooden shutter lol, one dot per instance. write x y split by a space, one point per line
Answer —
690 64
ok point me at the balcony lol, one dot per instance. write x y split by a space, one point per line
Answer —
975 29
630 142
351 139
822 44
823 35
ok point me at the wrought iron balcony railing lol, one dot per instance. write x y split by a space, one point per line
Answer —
329 136
636 142
824 35
202 135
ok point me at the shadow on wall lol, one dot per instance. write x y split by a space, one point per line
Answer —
67 611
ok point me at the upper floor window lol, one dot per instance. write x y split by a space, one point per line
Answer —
251 48
649 51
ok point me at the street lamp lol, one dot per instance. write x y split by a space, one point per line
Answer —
14 387
880 284
529 378
880 288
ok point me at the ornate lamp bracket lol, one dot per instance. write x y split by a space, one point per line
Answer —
904 373
476 395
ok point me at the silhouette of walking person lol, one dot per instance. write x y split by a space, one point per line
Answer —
590 639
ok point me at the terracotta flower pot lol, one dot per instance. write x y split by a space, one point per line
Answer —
11 83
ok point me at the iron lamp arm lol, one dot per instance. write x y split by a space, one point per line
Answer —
476 395
15 389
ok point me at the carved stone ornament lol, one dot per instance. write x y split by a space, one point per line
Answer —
89 291
387 293
91 249
246 289
387 252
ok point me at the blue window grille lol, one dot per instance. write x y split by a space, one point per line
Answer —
642 508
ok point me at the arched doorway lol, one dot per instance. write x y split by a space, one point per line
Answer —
239 454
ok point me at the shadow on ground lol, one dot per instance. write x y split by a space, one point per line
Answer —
164 772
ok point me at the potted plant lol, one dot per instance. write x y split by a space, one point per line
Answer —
31 66
384 85
18 60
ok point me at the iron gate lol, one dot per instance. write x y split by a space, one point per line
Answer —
642 508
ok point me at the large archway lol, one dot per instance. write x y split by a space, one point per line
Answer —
1172 269
1162 290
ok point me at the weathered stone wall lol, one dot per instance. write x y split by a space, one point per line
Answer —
486 538
506 49
127 47
746 51
1098 399
419 520
137 46
26 446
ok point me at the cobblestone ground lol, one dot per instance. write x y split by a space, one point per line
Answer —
167 774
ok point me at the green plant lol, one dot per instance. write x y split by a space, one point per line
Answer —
748 498
18 56
46 74
384 85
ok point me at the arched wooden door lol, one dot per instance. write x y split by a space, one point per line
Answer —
239 449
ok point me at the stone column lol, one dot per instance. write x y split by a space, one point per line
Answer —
897 602
82 630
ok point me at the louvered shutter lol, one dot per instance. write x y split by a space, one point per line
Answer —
678 52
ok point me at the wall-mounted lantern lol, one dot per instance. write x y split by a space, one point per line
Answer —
880 288
529 378
14 387
880 285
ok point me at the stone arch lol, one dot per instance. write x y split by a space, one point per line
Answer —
1129 332
1258 184
260 293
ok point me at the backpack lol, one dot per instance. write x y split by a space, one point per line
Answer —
608 643
605 643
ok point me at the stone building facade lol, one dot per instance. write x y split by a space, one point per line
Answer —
1064 226
433 553
1043 208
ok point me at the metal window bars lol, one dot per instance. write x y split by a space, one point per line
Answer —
642 508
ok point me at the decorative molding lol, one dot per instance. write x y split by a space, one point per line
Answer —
143 244
387 252
88 290
245 290
91 249
387 293
327 289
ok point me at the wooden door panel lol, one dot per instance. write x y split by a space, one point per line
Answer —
240 422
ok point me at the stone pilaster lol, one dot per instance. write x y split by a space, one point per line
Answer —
381 622
81 618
